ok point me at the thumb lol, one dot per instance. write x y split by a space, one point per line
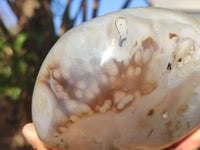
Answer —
30 134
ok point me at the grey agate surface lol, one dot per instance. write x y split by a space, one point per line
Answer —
124 81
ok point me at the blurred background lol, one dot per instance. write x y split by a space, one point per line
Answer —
28 29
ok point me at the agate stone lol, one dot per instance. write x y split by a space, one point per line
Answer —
124 81
192 6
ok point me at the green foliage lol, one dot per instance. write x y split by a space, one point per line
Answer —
16 66
22 52
19 41
12 92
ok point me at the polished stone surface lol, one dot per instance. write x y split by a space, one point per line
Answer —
127 80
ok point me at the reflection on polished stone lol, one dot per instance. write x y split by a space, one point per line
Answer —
127 80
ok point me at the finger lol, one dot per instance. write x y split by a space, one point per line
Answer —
31 136
191 142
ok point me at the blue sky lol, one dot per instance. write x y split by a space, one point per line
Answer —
105 6
7 15
58 7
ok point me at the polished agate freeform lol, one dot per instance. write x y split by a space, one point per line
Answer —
192 6
124 81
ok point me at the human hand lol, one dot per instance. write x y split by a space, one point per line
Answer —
30 134
192 142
